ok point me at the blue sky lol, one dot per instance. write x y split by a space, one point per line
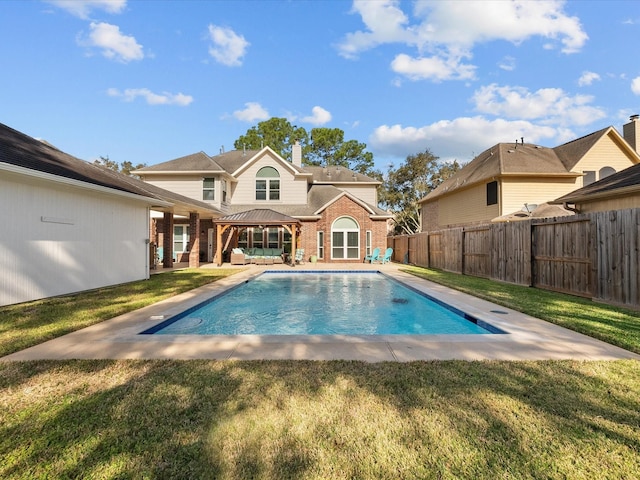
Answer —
149 81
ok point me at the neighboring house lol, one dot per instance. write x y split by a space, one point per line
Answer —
334 208
616 192
507 177
69 225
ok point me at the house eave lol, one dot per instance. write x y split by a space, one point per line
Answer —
36 174
618 192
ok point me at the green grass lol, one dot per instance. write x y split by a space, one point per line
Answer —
615 325
320 420
315 420
31 323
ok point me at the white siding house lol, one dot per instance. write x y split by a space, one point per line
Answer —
68 225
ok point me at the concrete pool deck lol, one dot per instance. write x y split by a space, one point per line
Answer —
527 338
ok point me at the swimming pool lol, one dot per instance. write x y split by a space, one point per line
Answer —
321 303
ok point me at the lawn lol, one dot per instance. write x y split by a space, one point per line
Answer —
614 325
313 420
28 324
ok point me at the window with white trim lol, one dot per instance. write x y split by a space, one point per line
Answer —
224 191
267 184
320 244
180 238
272 237
368 241
257 237
345 239
208 189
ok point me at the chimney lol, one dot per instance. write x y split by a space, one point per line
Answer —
296 154
631 132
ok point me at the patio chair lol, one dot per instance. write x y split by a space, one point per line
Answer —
374 257
299 258
387 255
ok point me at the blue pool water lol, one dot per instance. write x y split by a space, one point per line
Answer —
321 303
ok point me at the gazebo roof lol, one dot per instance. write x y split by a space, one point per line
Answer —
258 216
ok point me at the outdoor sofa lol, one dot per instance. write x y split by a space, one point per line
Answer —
243 256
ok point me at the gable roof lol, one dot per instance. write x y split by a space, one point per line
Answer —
338 175
194 163
257 216
28 154
620 183
508 159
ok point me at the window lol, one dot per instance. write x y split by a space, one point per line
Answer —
272 237
320 244
243 238
492 193
180 238
345 239
257 237
286 241
368 241
605 172
589 178
267 184
208 189
224 191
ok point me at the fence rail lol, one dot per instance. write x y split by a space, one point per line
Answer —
593 255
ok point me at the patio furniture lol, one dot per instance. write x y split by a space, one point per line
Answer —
387 255
299 258
374 257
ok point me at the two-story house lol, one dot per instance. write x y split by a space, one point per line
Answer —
330 212
509 176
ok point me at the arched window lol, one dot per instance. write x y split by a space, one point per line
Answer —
267 184
605 172
345 239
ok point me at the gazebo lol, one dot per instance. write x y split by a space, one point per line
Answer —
259 217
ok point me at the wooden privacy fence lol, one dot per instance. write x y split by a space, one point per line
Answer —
594 255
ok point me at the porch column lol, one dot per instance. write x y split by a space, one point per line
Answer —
167 240
194 240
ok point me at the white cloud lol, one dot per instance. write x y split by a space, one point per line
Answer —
165 98
587 78
551 105
459 139
228 47
635 85
319 116
508 63
434 68
444 33
83 8
385 22
114 44
253 111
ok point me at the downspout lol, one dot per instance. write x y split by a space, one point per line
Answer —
571 209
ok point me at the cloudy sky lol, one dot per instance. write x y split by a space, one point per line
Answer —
149 81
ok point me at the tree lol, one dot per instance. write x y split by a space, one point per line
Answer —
414 179
276 133
125 167
329 148
324 147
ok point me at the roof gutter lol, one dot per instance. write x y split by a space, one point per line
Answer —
49 177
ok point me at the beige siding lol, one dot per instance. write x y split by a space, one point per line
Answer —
366 193
621 203
292 191
59 239
606 153
190 186
518 191
466 206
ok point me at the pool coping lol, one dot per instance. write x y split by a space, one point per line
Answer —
527 338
